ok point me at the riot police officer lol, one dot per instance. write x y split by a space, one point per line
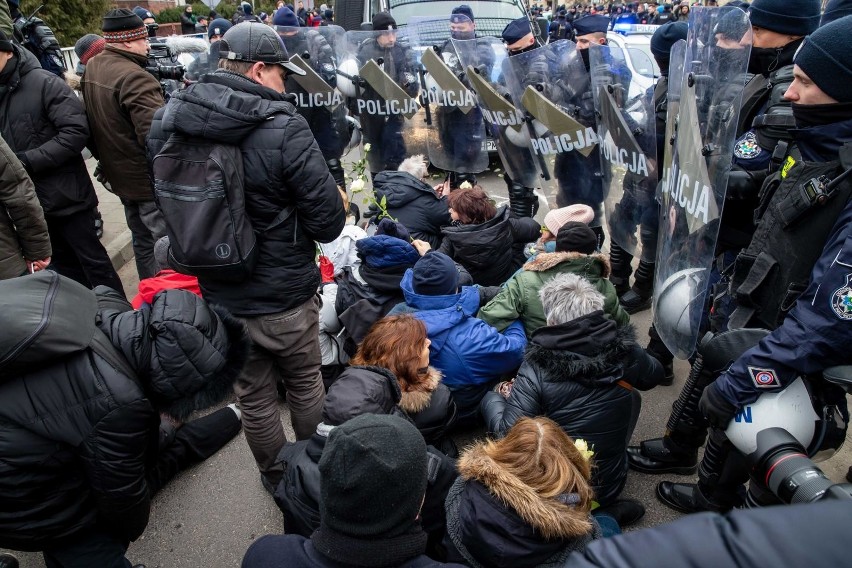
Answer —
209 61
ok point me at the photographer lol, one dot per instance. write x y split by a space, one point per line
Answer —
121 98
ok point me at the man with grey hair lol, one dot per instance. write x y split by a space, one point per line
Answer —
582 371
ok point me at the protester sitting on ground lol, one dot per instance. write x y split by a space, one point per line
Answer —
582 371
359 390
367 292
373 480
523 500
575 254
471 354
165 279
555 219
412 201
487 241
400 345
82 444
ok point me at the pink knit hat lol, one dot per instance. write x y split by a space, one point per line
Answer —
555 218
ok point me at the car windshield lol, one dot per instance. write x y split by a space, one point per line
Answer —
490 16
642 59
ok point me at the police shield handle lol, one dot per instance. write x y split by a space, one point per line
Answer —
615 131
567 132
503 110
320 92
447 80
687 182
394 95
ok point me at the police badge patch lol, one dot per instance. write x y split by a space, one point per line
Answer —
747 147
763 378
841 300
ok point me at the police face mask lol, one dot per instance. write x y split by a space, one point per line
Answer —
584 53
463 34
765 60
513 52
821 115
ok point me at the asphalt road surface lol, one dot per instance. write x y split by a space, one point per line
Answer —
209 515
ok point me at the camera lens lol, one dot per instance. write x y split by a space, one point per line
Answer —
783 466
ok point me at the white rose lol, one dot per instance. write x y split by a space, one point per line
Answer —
357 185
465 185
367 147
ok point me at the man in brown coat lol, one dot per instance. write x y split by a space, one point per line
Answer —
23 230
121 98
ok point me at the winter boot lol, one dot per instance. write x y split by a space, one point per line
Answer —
641 294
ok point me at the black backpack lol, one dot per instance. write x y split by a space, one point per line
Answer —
40 40
199 186
44 317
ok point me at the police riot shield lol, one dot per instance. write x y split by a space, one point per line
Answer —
553 88
317 99
695 179
454 125
485 62
628 152
378 73
677 59
200 63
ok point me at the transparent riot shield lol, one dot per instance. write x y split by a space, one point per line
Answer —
378 73
628 152
485 62
554 90
200 63
454 124
317 99
695 179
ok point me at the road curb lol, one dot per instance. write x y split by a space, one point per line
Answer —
120 249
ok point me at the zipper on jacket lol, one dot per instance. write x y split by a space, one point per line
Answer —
45 319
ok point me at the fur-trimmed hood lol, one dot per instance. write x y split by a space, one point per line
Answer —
547 260
418 396
551 518
590 350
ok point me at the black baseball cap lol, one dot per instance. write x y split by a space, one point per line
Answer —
256 42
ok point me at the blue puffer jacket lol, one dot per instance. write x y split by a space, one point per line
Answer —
467 350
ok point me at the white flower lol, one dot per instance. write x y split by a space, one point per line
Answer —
465 185
583 447
357 185
367 147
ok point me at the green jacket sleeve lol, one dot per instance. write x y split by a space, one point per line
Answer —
506 306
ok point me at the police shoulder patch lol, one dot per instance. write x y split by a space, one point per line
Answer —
747 147
764 378
841 300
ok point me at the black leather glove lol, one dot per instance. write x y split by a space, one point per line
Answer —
718 411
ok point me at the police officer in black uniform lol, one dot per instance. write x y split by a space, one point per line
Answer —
209 61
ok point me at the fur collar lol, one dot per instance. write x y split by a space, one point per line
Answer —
565 364
416 397
551 518
547 260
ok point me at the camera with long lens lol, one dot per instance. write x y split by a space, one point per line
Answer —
163 65
782 471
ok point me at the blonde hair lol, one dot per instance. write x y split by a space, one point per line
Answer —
540 454
344 197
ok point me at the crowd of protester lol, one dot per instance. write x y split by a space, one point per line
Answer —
444 315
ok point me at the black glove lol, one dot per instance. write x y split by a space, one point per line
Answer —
718 411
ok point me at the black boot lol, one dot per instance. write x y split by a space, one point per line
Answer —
620 261
523 201
626 512
658 350
685 497
599 232
641 295
458 178
662 455
336 170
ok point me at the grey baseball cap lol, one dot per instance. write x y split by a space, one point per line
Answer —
256 42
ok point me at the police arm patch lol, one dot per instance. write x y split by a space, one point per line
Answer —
841 300
764 378
747 147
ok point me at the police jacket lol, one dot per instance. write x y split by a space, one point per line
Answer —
316 51
283 168
357 391
413 203
77 436
491 251
780 536
579 374
45 124
793 225
815 334
399 63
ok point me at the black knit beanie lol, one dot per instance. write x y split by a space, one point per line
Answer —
836 9
663 40
373 474
383 21
122 25
5 43
435 275
793 17
826 57
576 237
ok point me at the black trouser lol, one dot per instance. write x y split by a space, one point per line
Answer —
192 443
78 253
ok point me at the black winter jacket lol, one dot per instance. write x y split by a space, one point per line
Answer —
491 251
785 536
283 167
77 436
45 124
359 390
413 203
570 374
